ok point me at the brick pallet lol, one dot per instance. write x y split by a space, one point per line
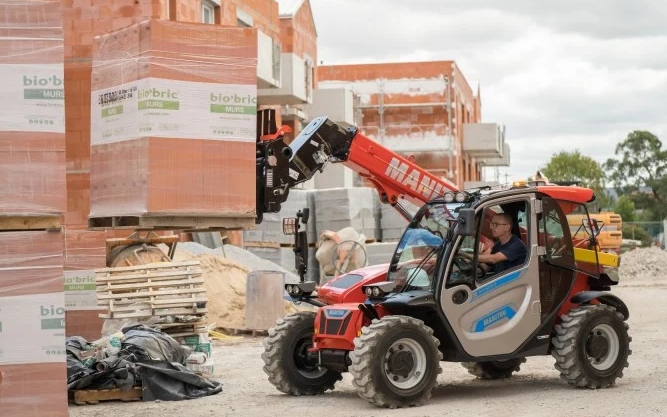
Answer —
32 202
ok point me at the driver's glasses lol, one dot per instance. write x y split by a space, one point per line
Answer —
494 224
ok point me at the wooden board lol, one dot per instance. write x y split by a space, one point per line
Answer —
160 222
30 222
238 331
83 397
160 289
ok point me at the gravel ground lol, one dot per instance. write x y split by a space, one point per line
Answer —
536 390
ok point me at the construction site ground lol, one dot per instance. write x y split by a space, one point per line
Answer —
535 390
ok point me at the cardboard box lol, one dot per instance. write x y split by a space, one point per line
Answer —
32 109
173 121
33 376
84 252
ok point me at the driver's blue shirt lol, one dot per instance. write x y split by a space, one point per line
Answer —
515 252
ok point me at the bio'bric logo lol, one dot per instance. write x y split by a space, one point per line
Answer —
167 94
161 99
35 81
233 99
52 317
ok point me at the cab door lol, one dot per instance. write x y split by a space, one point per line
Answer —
495 314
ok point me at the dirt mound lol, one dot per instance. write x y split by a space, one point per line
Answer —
225 282
644 267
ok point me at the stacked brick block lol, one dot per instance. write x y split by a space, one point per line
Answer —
32 170
173 121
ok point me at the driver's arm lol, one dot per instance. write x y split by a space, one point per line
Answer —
491 258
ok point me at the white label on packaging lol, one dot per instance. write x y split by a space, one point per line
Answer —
174 109
80 290
32 98
32 329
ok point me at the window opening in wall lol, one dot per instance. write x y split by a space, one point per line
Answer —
207 13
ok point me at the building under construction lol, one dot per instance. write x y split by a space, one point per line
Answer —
427 111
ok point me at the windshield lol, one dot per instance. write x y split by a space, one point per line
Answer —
414 263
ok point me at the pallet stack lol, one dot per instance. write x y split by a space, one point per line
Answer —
173 126
84 252
169 296
33 373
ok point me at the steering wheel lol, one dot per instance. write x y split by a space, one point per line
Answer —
465 264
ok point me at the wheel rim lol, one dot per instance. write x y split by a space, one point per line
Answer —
301 361
405 364
602 347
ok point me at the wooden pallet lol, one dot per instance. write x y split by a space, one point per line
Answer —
159 289
238 331
161 222
83 397
185 329
272 245
17 222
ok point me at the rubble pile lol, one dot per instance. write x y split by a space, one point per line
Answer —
643 266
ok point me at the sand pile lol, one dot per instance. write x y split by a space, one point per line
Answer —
225 279
644 267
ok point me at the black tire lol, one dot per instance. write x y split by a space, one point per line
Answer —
284 360
388 354
494 369
591 332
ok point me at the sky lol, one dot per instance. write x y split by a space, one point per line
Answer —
559 75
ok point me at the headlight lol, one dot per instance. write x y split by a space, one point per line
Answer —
288 287
461 197
369 291
448 197
376 292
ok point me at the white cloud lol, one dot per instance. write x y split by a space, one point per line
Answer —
560 75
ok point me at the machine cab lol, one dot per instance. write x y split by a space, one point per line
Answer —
504 305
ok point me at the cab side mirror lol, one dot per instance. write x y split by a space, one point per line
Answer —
466 222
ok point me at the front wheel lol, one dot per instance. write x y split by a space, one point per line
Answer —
592 346
286 361
395 362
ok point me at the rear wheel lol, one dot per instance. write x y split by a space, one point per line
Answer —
285 357
396 362
592 346
494 369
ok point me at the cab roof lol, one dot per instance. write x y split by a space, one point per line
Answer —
560 192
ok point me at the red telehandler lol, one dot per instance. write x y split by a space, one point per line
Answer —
391 325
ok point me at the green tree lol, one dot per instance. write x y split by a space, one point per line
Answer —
625 207
573 166
639 170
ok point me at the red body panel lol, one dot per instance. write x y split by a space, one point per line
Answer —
329 293
566 192
581 283
338 325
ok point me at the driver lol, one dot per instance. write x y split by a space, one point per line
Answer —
508 252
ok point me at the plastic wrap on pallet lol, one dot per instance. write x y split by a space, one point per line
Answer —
84 252
173 120
33 377
32 109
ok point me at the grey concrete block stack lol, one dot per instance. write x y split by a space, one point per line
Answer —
285 258
271 228
357 207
